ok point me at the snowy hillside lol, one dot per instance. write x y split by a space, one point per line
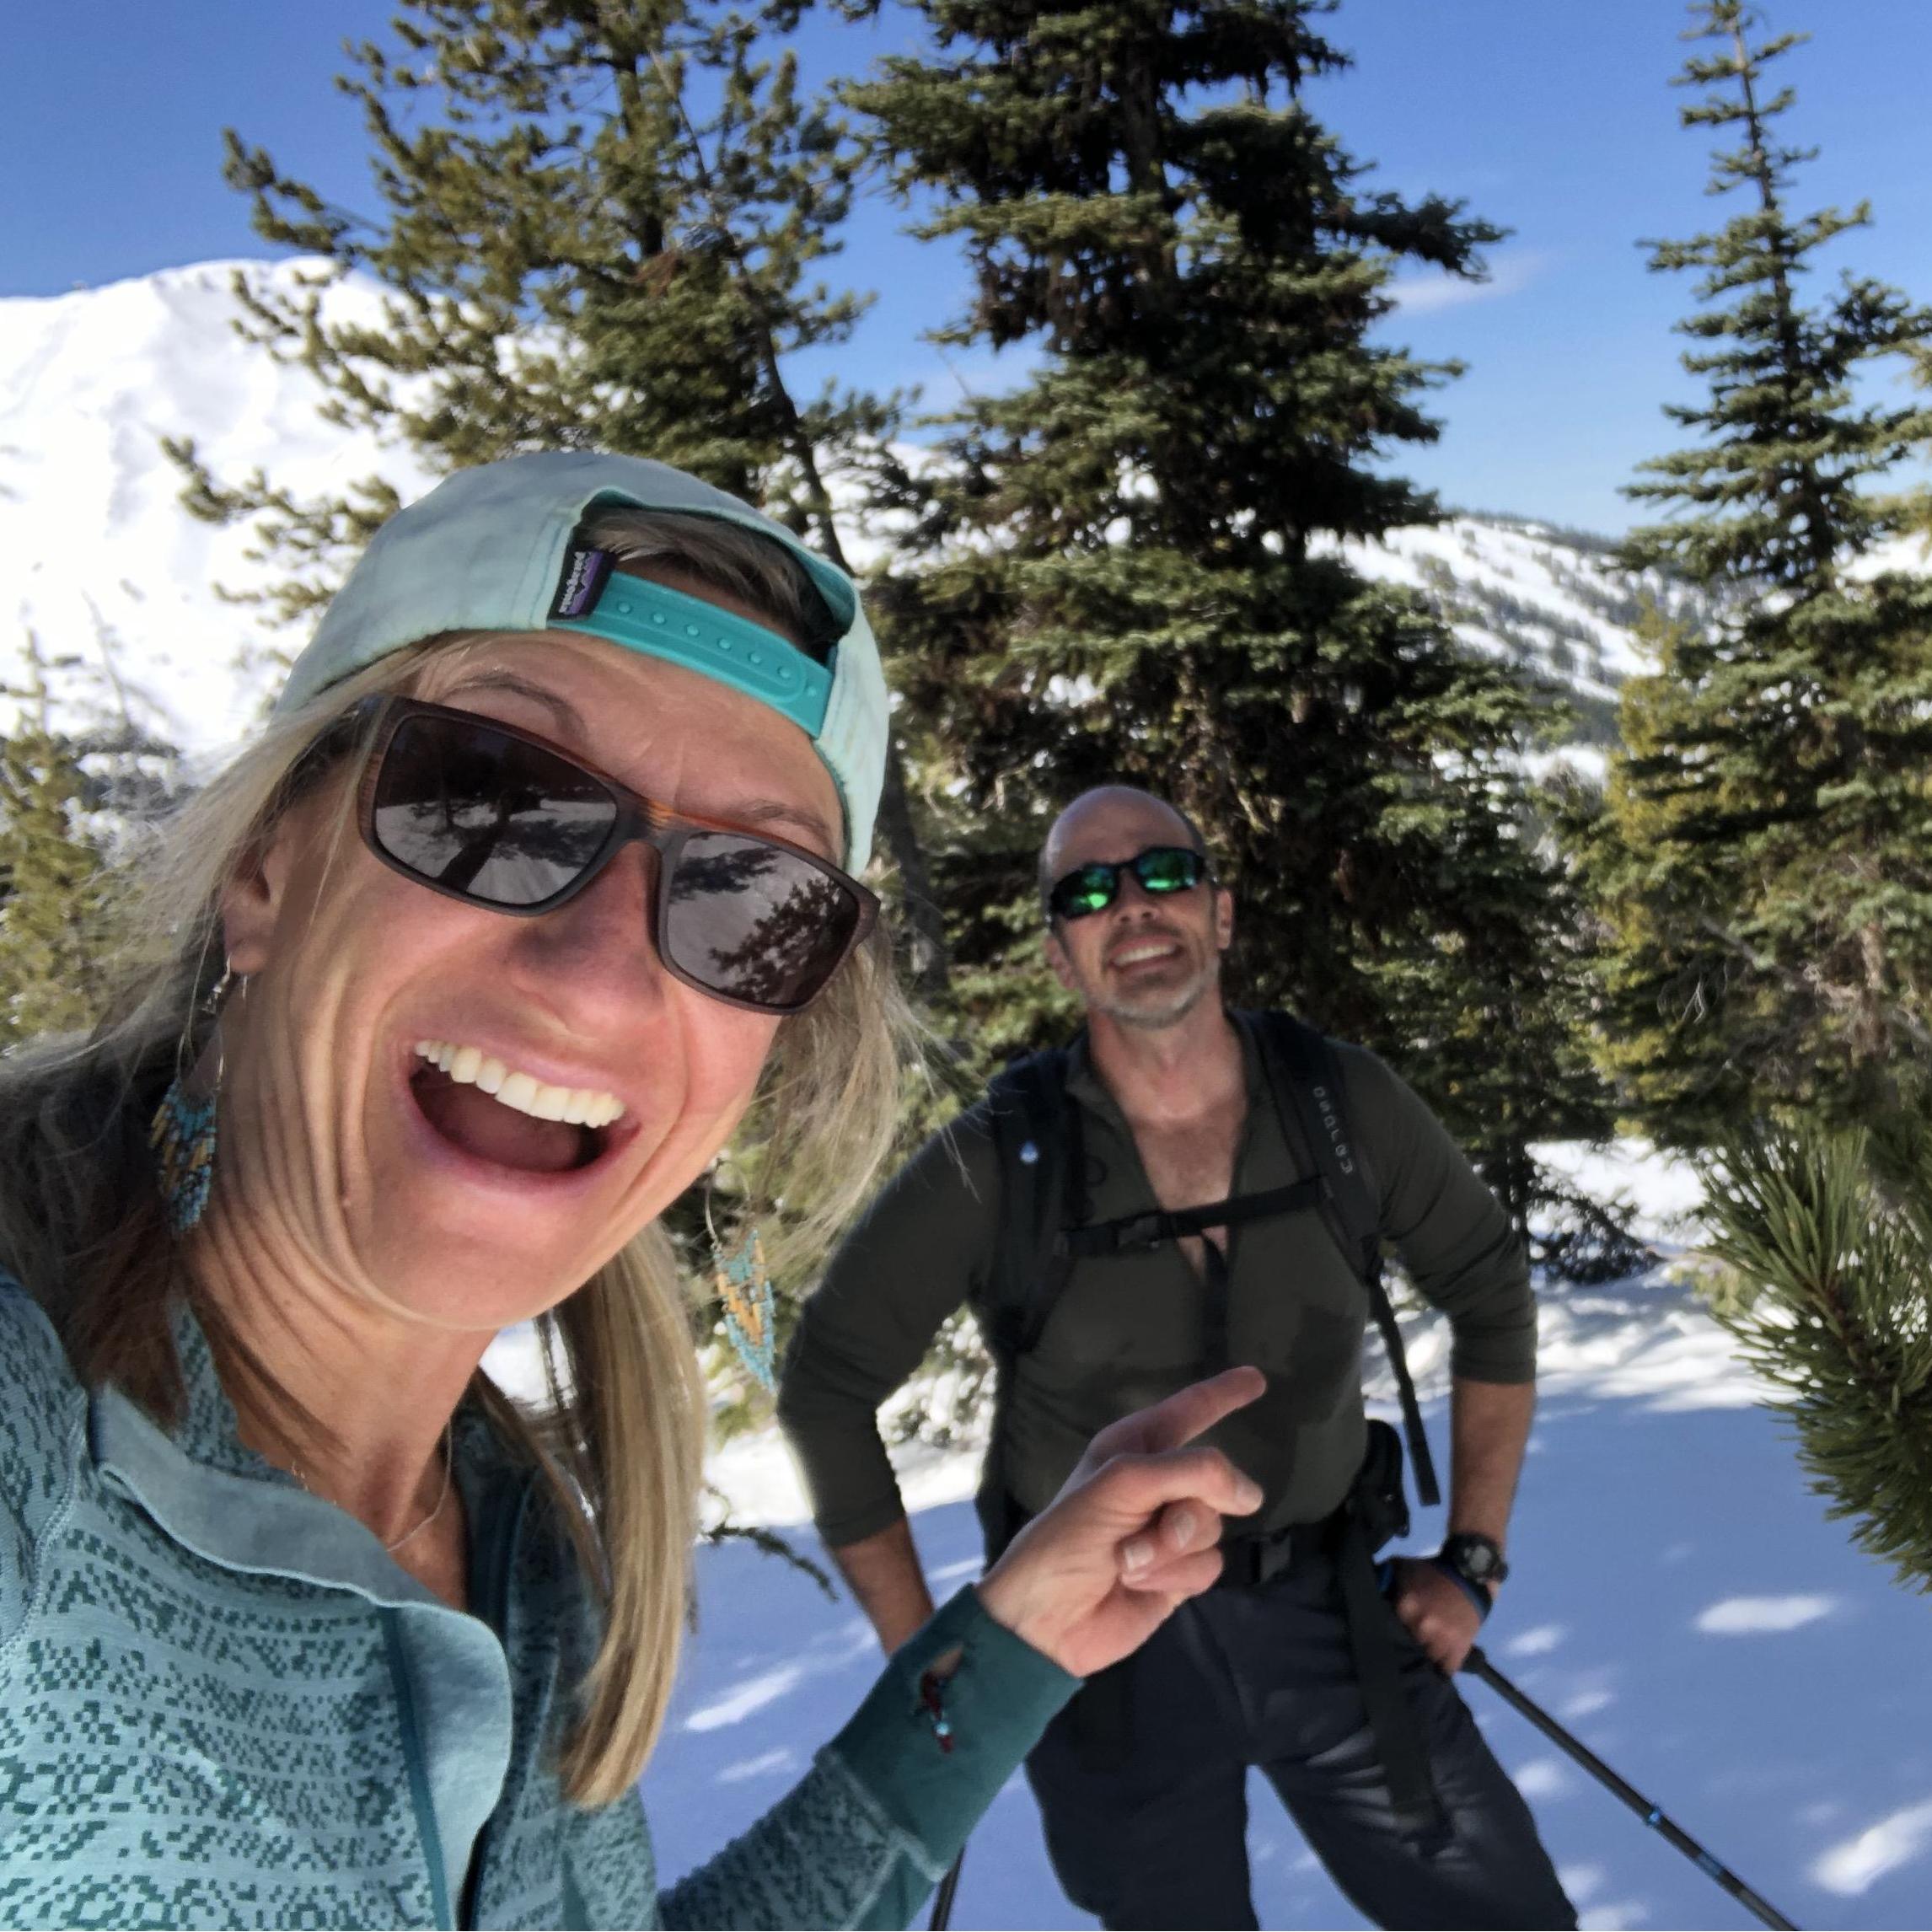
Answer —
1681 1601
1549 600
118 583
99 561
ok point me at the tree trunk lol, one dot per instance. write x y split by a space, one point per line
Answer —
924 929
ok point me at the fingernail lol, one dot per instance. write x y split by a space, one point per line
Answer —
1250 1495
1136 1555
1180 1526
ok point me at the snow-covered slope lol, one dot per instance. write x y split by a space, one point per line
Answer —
1551 601
99 561
1681 1601
122 588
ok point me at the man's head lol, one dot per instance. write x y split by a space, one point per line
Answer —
1148 959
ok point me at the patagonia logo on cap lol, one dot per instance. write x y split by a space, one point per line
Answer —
585 573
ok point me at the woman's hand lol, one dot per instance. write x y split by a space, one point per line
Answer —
1135 1530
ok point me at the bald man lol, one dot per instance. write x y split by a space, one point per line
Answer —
1142 1782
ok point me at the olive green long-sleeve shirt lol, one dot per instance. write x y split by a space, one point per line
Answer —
1128 1330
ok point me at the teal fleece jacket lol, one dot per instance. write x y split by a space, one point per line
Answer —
221 1704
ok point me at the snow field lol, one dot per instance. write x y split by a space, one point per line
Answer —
1681 1601
98 559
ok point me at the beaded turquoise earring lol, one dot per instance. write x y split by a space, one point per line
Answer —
744 1289
183 1135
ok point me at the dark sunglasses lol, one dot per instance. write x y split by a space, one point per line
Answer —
496 817
1092 889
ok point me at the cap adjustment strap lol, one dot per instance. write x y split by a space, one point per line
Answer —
660 622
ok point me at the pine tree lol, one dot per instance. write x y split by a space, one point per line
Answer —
602 225
1828 1236
52 873
1764 860
1129 566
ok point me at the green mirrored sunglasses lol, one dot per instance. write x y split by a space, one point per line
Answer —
1092 889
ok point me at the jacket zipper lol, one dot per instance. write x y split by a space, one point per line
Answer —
491 1591
428 1829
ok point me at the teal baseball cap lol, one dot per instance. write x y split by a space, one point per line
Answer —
494 548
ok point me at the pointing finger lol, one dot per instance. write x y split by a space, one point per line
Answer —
1185 1414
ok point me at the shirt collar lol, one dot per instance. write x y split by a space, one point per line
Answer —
216 1496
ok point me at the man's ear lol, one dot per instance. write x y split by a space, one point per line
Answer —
1057 958
1223 918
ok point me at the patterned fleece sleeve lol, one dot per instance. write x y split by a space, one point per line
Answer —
43 1413
871 1827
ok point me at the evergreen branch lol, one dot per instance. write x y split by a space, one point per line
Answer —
768 1543
1838 1310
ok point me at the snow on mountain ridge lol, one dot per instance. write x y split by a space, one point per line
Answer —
99 561
121 587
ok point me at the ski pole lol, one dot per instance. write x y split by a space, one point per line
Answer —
943 1899
1673 1834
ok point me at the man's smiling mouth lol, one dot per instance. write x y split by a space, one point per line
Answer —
1142 951
497 1113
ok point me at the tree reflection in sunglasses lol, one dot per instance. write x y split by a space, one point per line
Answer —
767 923
744 918
513 848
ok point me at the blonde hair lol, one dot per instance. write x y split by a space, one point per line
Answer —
622 1443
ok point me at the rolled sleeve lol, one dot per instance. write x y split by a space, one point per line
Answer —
918 1254
1451 1232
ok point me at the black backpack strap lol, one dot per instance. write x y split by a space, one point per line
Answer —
1134 1232
1037 1142
1379 1663
1305 1076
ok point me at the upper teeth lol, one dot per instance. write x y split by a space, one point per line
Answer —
1128 954
470 1066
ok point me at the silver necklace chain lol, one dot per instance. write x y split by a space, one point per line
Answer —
442 1495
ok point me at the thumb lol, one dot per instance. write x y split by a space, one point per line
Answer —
1134 1488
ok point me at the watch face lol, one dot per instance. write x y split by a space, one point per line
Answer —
1477 1559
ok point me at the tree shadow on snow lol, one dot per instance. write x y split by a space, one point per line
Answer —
1679 1600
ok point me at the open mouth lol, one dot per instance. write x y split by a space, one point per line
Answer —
494 1112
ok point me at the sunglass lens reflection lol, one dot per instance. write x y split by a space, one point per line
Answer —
479 812
1169 868
505 822
1090 889
1160 869
754 921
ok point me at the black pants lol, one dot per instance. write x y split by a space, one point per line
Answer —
1263 1676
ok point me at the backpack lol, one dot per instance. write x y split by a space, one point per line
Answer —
1045 1223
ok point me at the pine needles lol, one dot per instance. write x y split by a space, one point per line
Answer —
1829 1233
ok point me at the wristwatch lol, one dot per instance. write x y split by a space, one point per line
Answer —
1476 1558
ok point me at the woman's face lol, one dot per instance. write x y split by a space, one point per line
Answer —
340 1139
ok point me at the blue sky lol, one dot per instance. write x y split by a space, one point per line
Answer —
1551 117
